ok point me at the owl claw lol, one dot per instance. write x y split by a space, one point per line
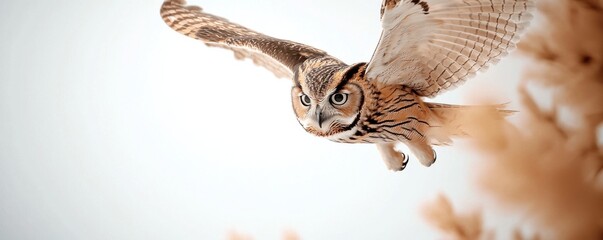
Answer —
395 160
404 162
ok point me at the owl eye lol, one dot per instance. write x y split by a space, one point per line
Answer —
339 98
305 100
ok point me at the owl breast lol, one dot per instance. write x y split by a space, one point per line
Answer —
391 114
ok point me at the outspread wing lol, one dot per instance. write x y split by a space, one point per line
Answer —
277 55
434 45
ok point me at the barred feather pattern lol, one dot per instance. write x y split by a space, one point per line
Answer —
435 45
392 114
277 55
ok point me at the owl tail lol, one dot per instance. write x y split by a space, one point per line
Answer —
459 121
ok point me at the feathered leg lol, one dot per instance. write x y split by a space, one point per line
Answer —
423 151
394 159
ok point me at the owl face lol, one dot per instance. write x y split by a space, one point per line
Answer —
326 111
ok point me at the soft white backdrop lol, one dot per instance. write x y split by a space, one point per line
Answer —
113 126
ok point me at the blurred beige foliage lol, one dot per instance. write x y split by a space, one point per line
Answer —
549 165
441 214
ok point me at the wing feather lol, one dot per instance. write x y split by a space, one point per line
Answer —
435 45
277 55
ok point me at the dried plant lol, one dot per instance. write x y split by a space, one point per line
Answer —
549 165
441 214
462 226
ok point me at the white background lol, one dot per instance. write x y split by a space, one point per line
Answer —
113 126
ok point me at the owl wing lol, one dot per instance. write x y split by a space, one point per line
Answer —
277 55
434 45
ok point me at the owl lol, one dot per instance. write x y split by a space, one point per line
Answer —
426 47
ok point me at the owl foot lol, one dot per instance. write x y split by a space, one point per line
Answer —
394 160
423 152
405 161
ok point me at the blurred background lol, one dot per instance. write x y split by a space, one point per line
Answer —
113 126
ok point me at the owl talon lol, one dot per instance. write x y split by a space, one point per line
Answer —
394 159
406 158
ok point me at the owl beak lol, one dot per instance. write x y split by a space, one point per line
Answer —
319 117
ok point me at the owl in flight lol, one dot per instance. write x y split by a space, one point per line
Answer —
426 47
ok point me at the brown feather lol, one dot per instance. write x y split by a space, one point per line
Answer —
277 55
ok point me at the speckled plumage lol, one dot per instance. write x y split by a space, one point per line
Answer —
426 47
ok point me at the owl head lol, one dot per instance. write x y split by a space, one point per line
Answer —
327 100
